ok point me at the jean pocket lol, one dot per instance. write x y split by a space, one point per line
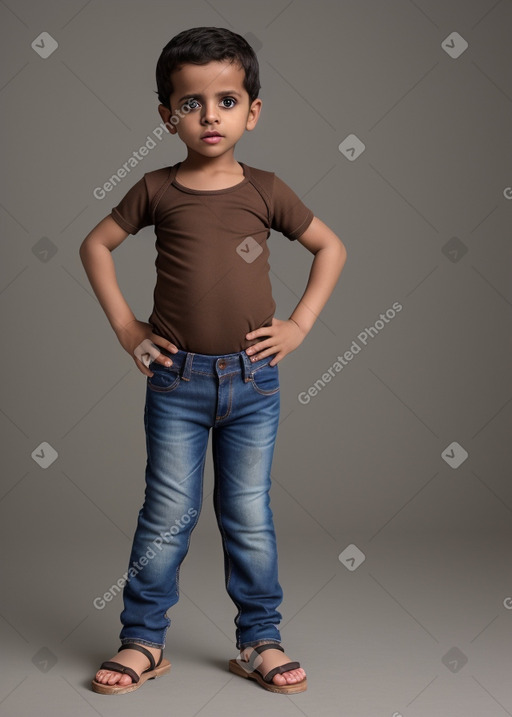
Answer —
265 379
164 379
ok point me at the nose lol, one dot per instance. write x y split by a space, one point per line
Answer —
210 112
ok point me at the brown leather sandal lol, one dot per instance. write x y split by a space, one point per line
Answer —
154 670
246 668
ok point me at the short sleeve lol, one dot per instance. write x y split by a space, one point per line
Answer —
290 216
133 212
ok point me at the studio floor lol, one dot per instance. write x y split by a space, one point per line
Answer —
422 627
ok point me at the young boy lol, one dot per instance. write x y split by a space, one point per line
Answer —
210 352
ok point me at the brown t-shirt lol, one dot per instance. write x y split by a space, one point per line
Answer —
212 284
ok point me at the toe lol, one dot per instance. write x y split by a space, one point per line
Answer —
102 676
113 677
106 677
299 674
280 679
289 677
117 678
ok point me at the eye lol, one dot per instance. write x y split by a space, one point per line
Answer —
229 99
190 104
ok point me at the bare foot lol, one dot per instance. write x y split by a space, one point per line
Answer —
129 658
271 658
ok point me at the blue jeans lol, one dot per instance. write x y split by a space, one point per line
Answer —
240 400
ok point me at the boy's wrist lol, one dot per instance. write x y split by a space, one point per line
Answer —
119 327
304 332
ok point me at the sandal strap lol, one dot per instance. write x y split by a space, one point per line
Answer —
249 665
276 670
279 670
140 648
118 667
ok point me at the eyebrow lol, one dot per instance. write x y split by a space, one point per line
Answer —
217 94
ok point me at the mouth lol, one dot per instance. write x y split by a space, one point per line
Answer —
211 137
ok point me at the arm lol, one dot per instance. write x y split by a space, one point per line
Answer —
330 256
96 255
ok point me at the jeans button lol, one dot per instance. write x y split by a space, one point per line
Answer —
222 363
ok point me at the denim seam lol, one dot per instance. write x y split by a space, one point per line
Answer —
192 526
261 391
164 390
207 373
230 402
257 368
132 640
261 641
224 542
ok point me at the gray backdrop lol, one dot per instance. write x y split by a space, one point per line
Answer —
391 480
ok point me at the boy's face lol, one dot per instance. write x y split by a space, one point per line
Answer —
217 102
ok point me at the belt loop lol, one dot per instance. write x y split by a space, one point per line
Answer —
246 366
187 368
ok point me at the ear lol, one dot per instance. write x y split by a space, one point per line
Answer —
166 114
254 113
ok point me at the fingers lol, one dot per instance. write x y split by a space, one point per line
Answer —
142 368
268 331
269 345
146 351
261 352
276 353
165 344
